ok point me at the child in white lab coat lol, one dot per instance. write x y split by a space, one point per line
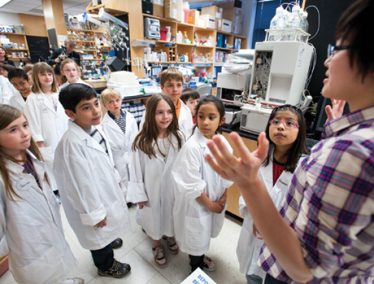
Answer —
150 186
21 83
46 116
121 128
71 73
171 81
200 195
90 192
30 222
286 132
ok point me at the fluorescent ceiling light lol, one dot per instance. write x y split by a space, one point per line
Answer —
4 2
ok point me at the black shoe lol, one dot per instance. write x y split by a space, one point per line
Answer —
117 243
118 270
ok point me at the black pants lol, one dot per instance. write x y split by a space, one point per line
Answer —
196 261
103 258
271 280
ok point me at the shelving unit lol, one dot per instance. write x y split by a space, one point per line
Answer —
93 47
21 52
193 44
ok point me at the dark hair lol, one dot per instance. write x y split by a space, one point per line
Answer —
354 29
148 135
298 147
170 74
214 100
189 94
73 94
18 73
7 67
7 115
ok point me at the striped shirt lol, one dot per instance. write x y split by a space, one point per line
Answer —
330 204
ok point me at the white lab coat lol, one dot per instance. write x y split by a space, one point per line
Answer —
151 181
120 143
6 90
249 246
185 121
194 225
67 84
90 189
46 124
31 225
17 101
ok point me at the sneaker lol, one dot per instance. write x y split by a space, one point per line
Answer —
209 264
159 255
75 280
172 245
118 270
117 243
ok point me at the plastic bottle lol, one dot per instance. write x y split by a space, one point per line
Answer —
186 11
274 23
304 21
294 20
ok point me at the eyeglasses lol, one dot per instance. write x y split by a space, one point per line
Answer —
288 123
332 49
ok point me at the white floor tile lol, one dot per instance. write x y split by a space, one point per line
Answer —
137 252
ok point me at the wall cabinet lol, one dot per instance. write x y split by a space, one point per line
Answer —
17 48
190 44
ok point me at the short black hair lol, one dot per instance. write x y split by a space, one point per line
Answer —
17 73
73 94
189 94
355 29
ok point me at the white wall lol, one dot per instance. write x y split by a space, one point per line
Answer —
9 19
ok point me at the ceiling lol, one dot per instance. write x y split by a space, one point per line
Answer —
74 7
34 7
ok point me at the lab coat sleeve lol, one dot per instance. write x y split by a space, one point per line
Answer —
187 173
79 183
136 191
32 112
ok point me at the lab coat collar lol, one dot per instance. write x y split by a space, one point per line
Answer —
85 137
107 120
18 169
201 139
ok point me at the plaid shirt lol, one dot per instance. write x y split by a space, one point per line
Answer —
330 204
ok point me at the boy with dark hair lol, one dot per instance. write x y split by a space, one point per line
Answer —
191 98
21 83
92 198
325 231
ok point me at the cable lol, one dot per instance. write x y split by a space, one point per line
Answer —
314 62
318 20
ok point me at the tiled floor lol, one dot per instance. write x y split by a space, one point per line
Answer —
137 252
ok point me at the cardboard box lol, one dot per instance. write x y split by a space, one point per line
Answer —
226 26
158 10
211 22
173 9
213 11
193 17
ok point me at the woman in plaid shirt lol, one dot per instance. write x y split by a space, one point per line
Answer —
324 232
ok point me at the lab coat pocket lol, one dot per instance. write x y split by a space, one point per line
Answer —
44 269
197 233
218 220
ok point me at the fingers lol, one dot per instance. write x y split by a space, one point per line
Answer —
328 111
263 147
